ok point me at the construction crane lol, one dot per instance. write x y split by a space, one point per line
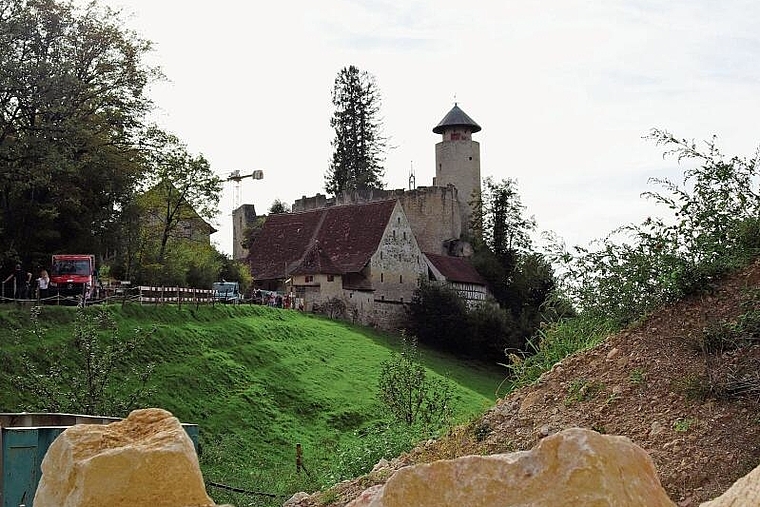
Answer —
237 177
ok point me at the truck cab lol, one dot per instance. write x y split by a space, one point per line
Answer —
227 292
73 275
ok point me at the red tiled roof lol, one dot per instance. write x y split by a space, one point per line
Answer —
455 269
315 260
339 239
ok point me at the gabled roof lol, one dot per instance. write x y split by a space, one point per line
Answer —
315 260
335 240
158 191
455 269
456 118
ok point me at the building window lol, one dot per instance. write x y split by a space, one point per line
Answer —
330 278
381 278
398 220
400 278
309 278
404 234
381 255
394 233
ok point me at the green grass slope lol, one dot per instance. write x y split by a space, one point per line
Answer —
257 381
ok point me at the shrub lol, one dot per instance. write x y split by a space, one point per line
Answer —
407 391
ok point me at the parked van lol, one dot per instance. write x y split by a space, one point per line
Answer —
227 292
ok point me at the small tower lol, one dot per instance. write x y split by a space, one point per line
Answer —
457 158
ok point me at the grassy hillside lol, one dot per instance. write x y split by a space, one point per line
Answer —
259 380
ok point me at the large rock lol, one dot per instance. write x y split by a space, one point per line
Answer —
145 460
744 493
575 467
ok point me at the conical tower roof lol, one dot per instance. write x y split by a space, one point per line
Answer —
456 118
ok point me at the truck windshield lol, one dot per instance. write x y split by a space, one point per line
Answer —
71 267
225 287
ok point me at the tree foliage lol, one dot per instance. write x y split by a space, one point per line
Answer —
521 279
358 145
183 189
106 378
713 227
278 207
440 318
72 84
407 391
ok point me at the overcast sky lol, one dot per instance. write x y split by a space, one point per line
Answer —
563 89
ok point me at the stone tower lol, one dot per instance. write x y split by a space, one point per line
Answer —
457 158
242 218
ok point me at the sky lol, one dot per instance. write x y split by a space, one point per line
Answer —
565 92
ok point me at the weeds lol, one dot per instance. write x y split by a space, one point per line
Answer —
554 343
638 377
582 390
683 425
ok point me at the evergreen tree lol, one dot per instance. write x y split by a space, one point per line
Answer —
358 145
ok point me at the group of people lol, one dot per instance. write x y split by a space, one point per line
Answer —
22 283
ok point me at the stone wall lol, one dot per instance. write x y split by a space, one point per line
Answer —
395 268
435 216
458 163
242 218
435 213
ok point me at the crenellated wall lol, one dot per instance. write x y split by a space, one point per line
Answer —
434 213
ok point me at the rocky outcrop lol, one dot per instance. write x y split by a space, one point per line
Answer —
146 459
744 493
573 467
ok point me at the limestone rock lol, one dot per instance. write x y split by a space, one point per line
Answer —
571 468
744 493
145 460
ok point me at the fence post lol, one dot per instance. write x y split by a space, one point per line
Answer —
299 458
179 298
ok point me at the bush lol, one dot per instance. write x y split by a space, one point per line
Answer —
408 393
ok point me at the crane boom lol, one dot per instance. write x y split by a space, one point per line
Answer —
237 178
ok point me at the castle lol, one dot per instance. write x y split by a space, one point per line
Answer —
368 249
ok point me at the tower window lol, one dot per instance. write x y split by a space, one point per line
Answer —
381 277
400 278
470 158
404 234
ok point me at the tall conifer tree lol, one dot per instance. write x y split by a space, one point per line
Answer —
359 145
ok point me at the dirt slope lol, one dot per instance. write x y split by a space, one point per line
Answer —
645 383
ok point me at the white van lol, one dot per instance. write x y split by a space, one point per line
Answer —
227 292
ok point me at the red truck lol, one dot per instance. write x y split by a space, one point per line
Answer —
73 275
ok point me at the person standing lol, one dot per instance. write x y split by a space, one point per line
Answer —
20 282
43 282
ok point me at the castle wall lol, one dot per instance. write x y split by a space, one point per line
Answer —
395 268
435 216
242 217
434 213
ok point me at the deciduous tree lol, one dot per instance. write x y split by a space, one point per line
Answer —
72 83
182 188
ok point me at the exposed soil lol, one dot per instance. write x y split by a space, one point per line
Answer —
647 383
